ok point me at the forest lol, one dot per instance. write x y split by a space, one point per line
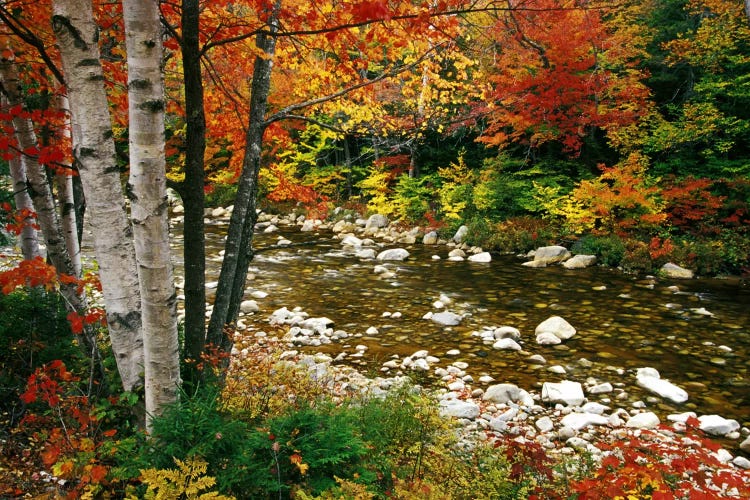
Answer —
620 129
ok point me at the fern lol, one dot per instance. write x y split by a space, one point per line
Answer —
187 481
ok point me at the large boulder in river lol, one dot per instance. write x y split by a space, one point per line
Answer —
580 261
376 221
649 379
674 271
717 425
393 254
557 326
460 234
550 255
565 392
430 238
480 257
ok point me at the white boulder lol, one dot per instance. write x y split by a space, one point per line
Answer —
557 326
649 379
393 254
566 392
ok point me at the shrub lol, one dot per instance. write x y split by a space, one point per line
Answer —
522 234
610 250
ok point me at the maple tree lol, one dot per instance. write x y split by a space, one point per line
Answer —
559 72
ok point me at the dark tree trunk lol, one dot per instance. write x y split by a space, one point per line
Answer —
193 196
238 249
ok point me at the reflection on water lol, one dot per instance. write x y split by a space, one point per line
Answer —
697 336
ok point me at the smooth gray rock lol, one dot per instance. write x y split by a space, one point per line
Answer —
548 338
557 326
745 445
580 262
649 379
502 393
551 254
393 254
249 306
446 318
645 420
430 238
577 421
376 221
671 270
459 409
604 388
480 257
506 344
717 425
565 392
505 332
460 234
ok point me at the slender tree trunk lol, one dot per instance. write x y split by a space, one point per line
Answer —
238 248
66 199
94 150
29 238
192 190
43 201
149 205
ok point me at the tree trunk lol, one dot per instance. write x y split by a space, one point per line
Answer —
44 204
148 195
66 199
29 239
238 248
94 150
192 191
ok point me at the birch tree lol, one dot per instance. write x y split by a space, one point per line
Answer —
148 197
94 148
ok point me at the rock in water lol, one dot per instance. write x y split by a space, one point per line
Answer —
551 255
580 261
557 326
649 379
393 254
565 392
446 318
671 270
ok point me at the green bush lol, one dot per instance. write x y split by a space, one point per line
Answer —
222 195
609 250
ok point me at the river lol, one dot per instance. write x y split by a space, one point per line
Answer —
695 332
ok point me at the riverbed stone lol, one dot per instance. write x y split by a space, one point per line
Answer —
645 420
504 332
671 270
649 379
393 254
506 344
446 318
376 221
551 254
717 425
544 424
502 393
557 326
249 306
480 257
578 421
548 338
603 388
460 234
745 445
430 238
351 241
580 261
459 409
308 225
566 392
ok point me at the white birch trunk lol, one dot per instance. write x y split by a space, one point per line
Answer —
149 203
94 148
38 188
66 201
28 239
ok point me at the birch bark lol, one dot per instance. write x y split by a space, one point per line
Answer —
66 200
28 238
148 196
94 149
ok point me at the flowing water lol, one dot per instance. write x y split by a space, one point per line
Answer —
696 332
